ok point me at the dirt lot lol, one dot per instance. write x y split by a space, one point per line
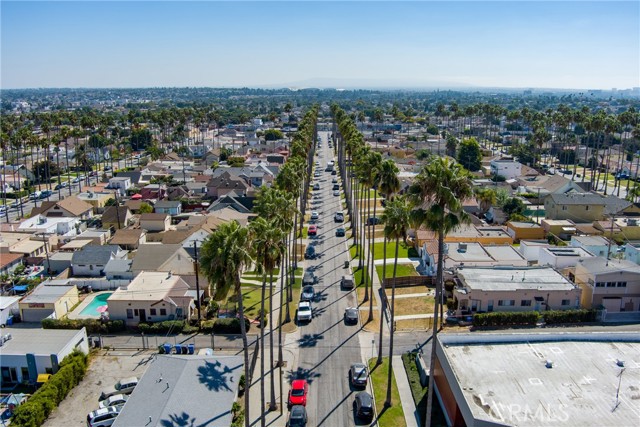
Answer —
106 368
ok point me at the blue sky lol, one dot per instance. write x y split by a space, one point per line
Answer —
550 44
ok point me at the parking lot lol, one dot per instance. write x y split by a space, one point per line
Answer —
106 368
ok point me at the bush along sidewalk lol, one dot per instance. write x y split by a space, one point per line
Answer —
531 318
36 410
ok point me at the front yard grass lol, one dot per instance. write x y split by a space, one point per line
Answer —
392 416
404 251
403 270
420 393
412 305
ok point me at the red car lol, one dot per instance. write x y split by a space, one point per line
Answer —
298 393
312 231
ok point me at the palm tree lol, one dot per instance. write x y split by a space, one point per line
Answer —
438 192
486 198
396 219
224 255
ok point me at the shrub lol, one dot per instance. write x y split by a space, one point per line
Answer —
569 316
229 326
168 326
93 326
506 318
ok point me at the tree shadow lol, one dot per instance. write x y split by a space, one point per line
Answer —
303 374
309 340
215 376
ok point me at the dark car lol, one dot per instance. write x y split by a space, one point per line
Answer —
336 186
340 232
310 253
45 194
363 405
358 375
373 220
307 293
297 416
351 315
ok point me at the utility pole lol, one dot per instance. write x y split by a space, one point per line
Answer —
195 249
46 251
613 221
117 206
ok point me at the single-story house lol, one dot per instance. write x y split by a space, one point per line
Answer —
92 259
119 269
155 221
129 239
53 298
524 230
116 217
9 262
168 207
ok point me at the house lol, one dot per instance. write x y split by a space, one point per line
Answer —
9 308
58 262
152 297
40 224
29 248
631 252
597 245
75 244
134 177
577 207
225 183
53 298
524 230
116 217
129 239
613 284
530 249
154 192
472 254
98 237
237 202
562 257
619 228
9 262
468 233
121 184
155 221
152 403
92 259
34 351
562 228
545 185
96 200
162 257
168 207
514 289
509 169
69 207
119 269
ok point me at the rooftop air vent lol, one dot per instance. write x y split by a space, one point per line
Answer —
620 363
549 364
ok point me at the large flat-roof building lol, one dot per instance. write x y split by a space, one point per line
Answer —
539 379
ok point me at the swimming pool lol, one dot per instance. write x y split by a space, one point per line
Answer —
98 301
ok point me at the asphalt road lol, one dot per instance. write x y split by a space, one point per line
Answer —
327 346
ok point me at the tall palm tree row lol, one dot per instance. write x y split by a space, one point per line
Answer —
437 194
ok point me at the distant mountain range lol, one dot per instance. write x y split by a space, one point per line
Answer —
338 83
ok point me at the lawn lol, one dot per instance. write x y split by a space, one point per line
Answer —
353 249
251 297
392 416
408 290
423 324
404 251
293 305
420 393
304 232
412 305
403 270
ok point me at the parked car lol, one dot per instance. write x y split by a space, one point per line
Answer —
351 316
310 253
336 186
314 215
347 281
312 230
124 386
358 375
334 180
115 400
103 417
3 209
297 416
305 313
316 186
334 172
338 217
298 393
35 195
308 278
336 192
373 220
340 232
45 193
307 294
363 406
107 168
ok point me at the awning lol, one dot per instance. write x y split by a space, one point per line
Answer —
43 378
20 288
136 197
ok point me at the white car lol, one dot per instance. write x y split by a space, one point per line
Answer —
115 400
304 311
314 215
103 417
336 192
124 386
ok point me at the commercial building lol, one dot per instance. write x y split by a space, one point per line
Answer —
613 284
53 298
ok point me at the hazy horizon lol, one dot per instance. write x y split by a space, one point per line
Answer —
574 45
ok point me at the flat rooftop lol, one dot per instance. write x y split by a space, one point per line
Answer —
504 379
41 342
513 278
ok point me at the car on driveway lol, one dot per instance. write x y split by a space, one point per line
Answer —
298 393
358 375
297 416
338 217
124 386
363 405
340 232
305 312
351 315
312 230
314 215
308 293
310 253
115 400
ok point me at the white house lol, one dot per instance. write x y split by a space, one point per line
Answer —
530 249
562 257
8 307
91 260
120 183
47 225
597 245
510 169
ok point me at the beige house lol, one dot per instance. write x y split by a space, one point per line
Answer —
152 297
614 284
514 289
162 257
69 207
54 298
155 221
97 200
577 207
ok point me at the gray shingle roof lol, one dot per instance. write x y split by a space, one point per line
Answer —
578 199
94 254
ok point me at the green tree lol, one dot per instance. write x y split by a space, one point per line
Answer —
452 145
146 208
469 154
486 198
44 169
236 161
513 206
273 135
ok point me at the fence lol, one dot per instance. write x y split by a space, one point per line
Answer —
407 281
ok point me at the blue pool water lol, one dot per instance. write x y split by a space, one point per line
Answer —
98 300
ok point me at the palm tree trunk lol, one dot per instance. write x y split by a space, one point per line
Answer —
262 318
372 238
245 345
387 402
383 300
272 401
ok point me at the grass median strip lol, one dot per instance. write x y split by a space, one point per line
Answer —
392 416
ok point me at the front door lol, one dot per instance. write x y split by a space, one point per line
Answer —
490 305
143 315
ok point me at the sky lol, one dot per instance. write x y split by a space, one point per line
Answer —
510 44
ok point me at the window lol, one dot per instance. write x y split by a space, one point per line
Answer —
599 284
506 302
611 284
564 208
152 311
163 312
565 302
622 284
91 267
135 311
525 303
129 313
586 208
25 373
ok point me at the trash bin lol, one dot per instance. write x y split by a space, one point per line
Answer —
346 264
178 348
167 348
192 348
9 320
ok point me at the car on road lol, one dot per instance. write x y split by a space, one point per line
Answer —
312 230
338 217
340 232
107 168
76 180
298 393
316 186
305 312
316 174
310 253
118 399
103 417
347 281
124 386
363 406
308 293
45 193
351 315
334 181
35 195
336 187
3 209
308 278
358 375
314 215
297 416
334 172
373 220
336 192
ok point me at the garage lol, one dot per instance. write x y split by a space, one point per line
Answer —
52 298
612 304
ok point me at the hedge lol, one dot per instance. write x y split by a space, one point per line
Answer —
569 316
223 326
94 326
506 318
35 411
